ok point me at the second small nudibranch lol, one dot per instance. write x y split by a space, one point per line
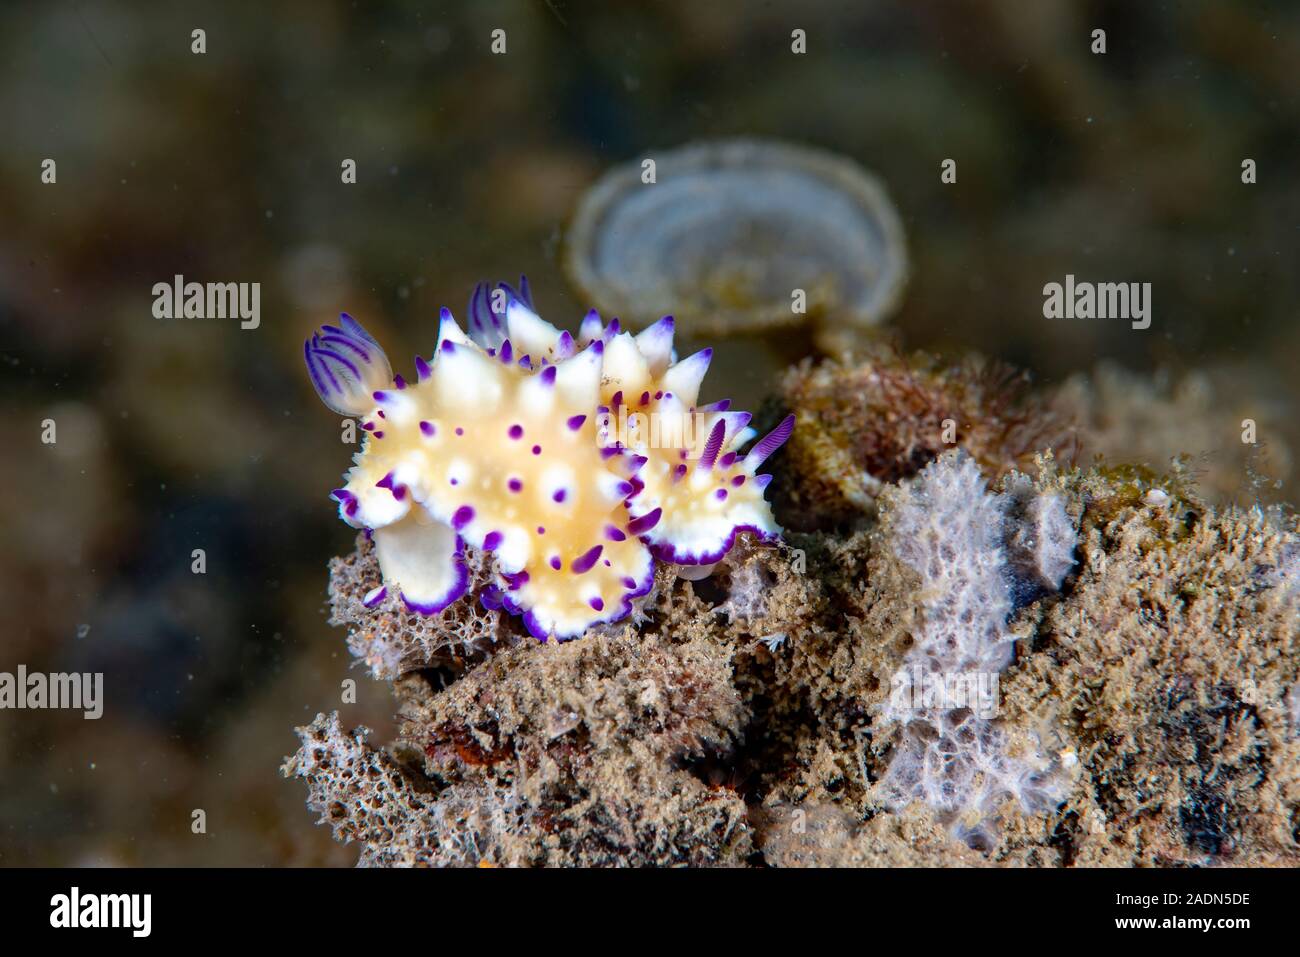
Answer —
577 463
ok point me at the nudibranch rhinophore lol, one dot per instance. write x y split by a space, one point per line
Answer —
576 462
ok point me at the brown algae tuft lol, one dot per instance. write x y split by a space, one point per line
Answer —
882 417
1139 647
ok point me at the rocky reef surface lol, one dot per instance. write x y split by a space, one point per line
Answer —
1128 646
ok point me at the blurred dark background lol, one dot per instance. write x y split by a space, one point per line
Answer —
176 435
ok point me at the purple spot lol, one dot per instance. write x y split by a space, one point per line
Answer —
646 522
515 485
347 500
584 562
507 351
645 398
614 534
548 375
379 396
462 517
378 435
727 460
659 394
399 382
575 422
516 431
459 430
428 429
448 345
541 529
720 494
398 490
556 563
738 481
537 450
491 541
559 495
368 426
455 481
597 604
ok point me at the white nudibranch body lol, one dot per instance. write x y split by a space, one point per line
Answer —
575 462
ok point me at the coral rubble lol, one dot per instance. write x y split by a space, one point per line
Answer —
1143 644
577 753
865 424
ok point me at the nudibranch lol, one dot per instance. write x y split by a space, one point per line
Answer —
576 462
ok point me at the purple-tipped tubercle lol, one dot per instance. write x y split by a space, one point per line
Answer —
584 562
649 520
